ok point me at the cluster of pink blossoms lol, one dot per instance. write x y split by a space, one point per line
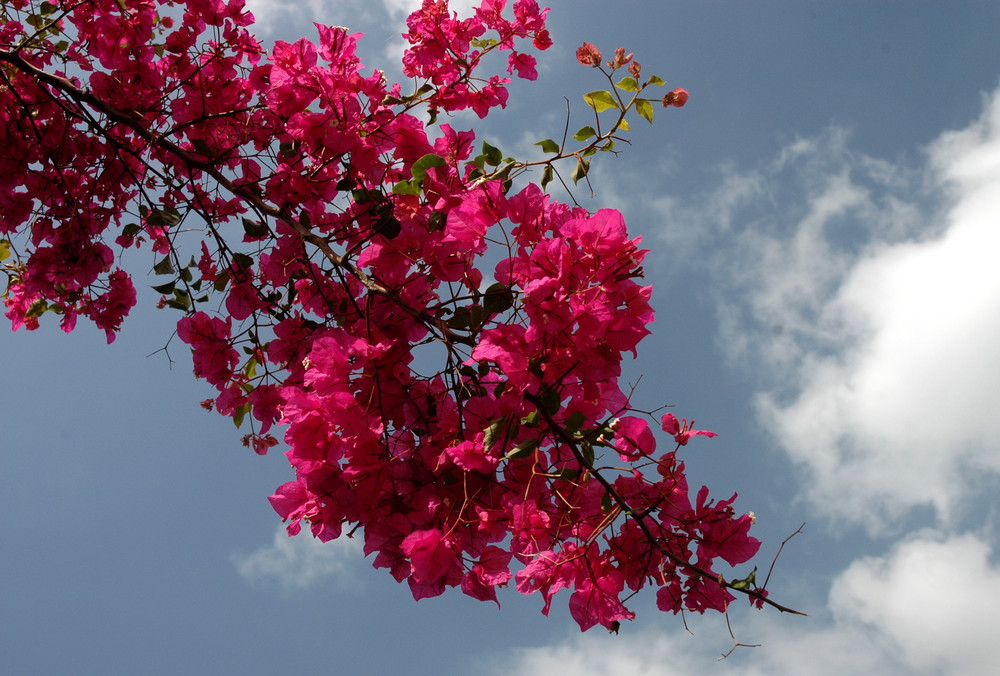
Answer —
476 435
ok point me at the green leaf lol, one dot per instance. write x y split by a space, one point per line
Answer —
242 261
202 147
164 267
164 289
574 422
37 308
494 433
584 133
168 217
4 249
657 81
628 84
388 226
221 282
610 145
606 504
587 449
600 100
364 196
240 414
548 146
406 188
182 298
437 220
551 402
250 370
493 155
746 582
131 230
426 162
643 107
582 167
254 229
497 298
547 175
524 448
288 149
624 125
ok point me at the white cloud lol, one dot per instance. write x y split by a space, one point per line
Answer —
301 562
869 305
932 596
923 608
905 408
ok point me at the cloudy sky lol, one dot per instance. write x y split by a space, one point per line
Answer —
824 219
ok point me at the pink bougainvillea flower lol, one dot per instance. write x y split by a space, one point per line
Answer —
682 431
588 55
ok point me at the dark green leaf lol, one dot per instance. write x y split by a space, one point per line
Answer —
364 196
164 289
524 448
494 433
498 298
493 155
436 221
164 267
548 174
388 226
551 402
254 229
242 261
201 146
574 422
132 229
221 282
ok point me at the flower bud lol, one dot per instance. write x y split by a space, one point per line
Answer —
676 98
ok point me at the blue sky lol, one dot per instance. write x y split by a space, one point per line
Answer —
823 217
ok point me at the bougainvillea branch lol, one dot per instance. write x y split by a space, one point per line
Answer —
468 421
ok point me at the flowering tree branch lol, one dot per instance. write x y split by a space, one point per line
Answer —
475 432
